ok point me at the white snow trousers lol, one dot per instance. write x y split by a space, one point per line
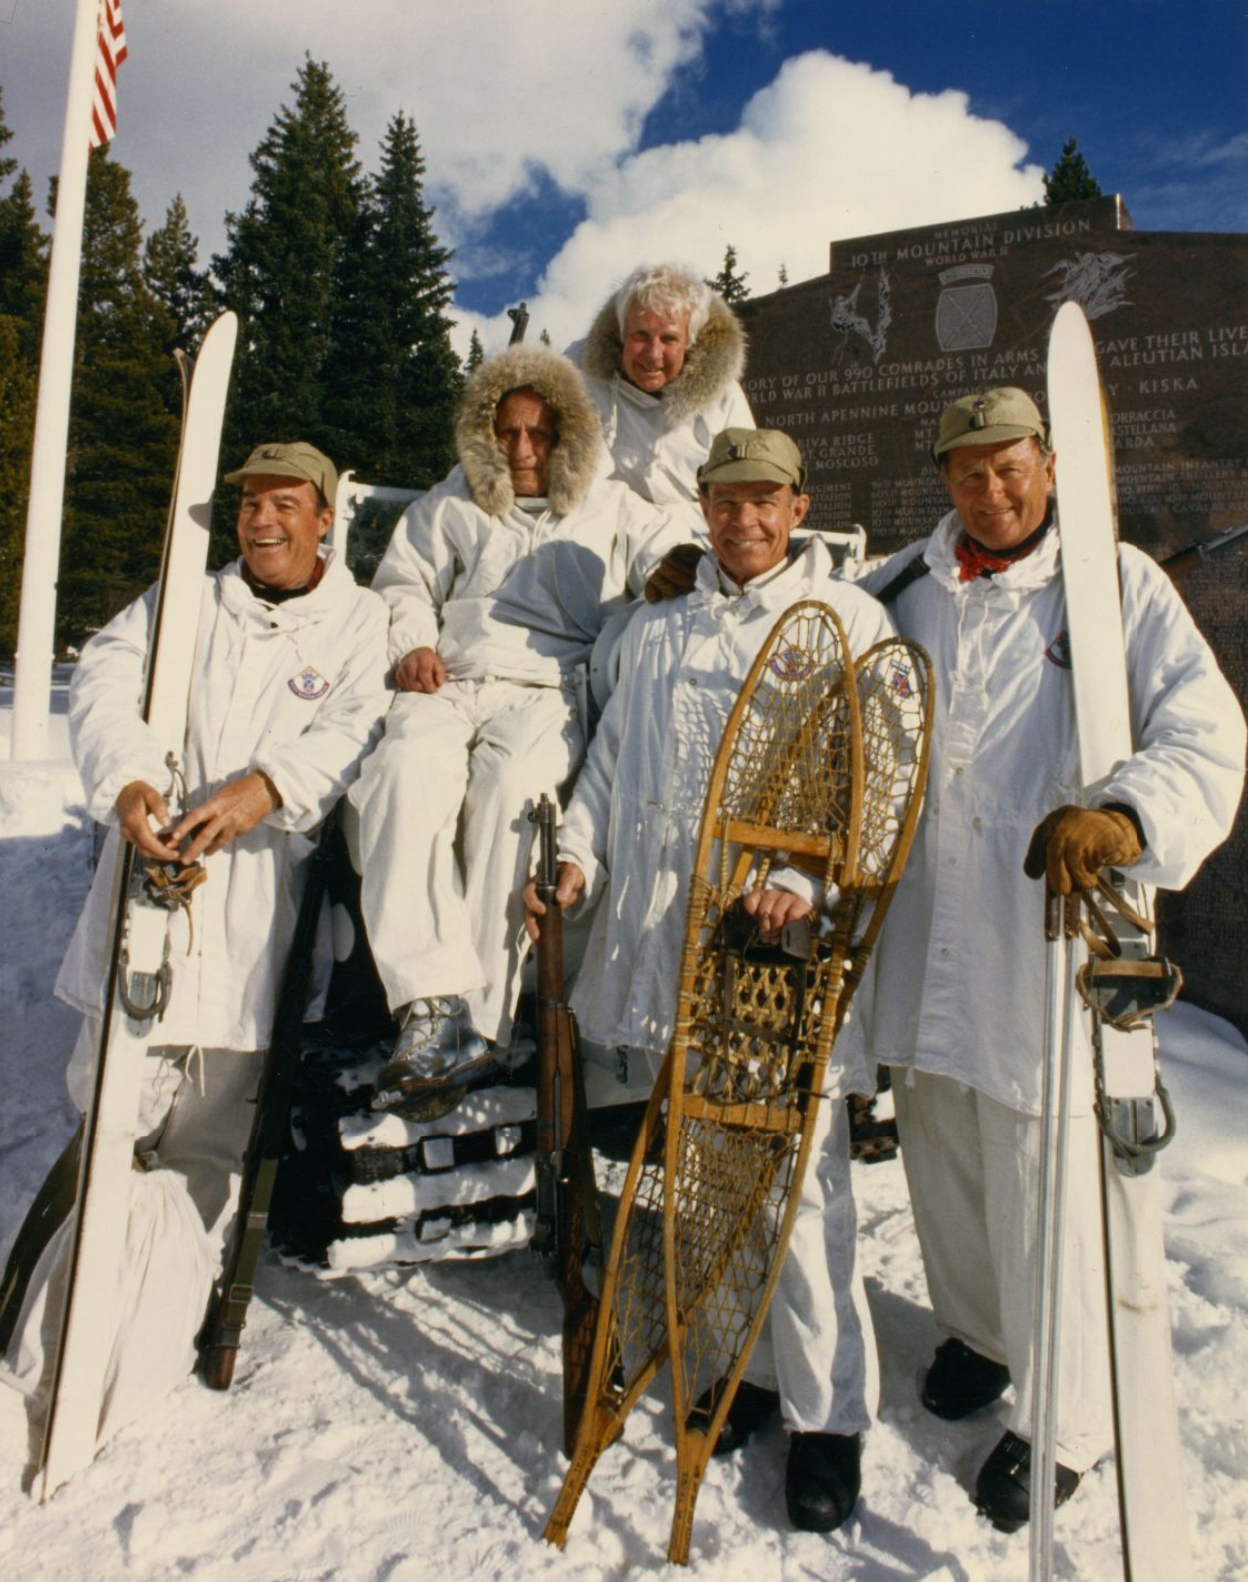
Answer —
972 1166
817 1345
195 1115
485 750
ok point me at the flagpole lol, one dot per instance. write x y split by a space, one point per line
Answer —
36 631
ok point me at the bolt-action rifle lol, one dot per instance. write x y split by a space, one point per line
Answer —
227 1310
567 1231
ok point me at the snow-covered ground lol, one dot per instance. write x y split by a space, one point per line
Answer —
403 1427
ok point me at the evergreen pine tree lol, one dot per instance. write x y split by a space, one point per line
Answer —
23 263
476 354
730 285
1070 177
784 274
123 418
23 277
18 384
283 265
23 252
170 267
393 368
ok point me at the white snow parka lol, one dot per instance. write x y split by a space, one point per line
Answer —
520 595
295 689
633 822
959 981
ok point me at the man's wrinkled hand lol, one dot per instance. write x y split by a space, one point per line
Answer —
569 886
420 670
137 805
675 574
1072 844
230 812
773 910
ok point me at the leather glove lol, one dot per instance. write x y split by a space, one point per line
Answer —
675 573
1072 844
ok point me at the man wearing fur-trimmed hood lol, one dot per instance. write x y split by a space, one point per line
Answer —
498 582
663 361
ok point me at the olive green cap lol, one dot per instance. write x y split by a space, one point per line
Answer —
752 455
295 460
992 418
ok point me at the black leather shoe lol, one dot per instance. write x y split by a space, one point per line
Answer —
1003 1488
822 1480
752 1406
960 1381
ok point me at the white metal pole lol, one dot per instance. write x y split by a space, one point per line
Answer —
36 629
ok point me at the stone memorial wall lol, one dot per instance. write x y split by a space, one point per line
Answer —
858 364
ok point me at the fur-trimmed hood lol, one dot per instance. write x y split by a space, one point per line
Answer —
715 360
574 459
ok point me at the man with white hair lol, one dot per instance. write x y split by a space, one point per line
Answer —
663 361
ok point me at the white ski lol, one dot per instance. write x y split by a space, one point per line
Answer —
138 934
1149 1454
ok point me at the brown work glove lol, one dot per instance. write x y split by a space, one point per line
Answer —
675 573
1072 844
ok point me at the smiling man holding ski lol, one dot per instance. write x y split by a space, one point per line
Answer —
958 1004
286 659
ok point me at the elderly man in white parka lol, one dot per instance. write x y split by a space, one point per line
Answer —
629 840
957 1005
498 582
663 361
288 696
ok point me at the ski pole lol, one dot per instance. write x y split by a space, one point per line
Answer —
1061 931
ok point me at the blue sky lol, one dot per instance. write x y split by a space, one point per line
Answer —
567 140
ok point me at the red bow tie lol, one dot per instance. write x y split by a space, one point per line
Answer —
977 562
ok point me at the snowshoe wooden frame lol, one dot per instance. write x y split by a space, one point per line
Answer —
821 768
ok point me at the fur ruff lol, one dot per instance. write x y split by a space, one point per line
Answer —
715 360
574 458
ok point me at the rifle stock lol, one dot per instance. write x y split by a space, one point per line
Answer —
567 1227
227 1309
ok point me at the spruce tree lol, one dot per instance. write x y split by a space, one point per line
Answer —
18 384
1070 177
23 252
23 263
729 284
23 279
170 267
476 354
396 376
283 265
123 416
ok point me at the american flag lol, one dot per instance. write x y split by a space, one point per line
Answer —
110 51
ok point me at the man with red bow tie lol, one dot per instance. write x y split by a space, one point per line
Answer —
957 1006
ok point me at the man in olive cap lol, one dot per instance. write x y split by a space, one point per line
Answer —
958 1003
287 697
630 836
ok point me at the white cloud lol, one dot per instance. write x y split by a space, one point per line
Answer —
497 89
830 149
501 90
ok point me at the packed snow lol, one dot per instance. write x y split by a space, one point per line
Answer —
403 1426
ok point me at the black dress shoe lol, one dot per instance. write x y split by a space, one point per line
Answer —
960 1381
822 1480
1003 1488
751 1407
